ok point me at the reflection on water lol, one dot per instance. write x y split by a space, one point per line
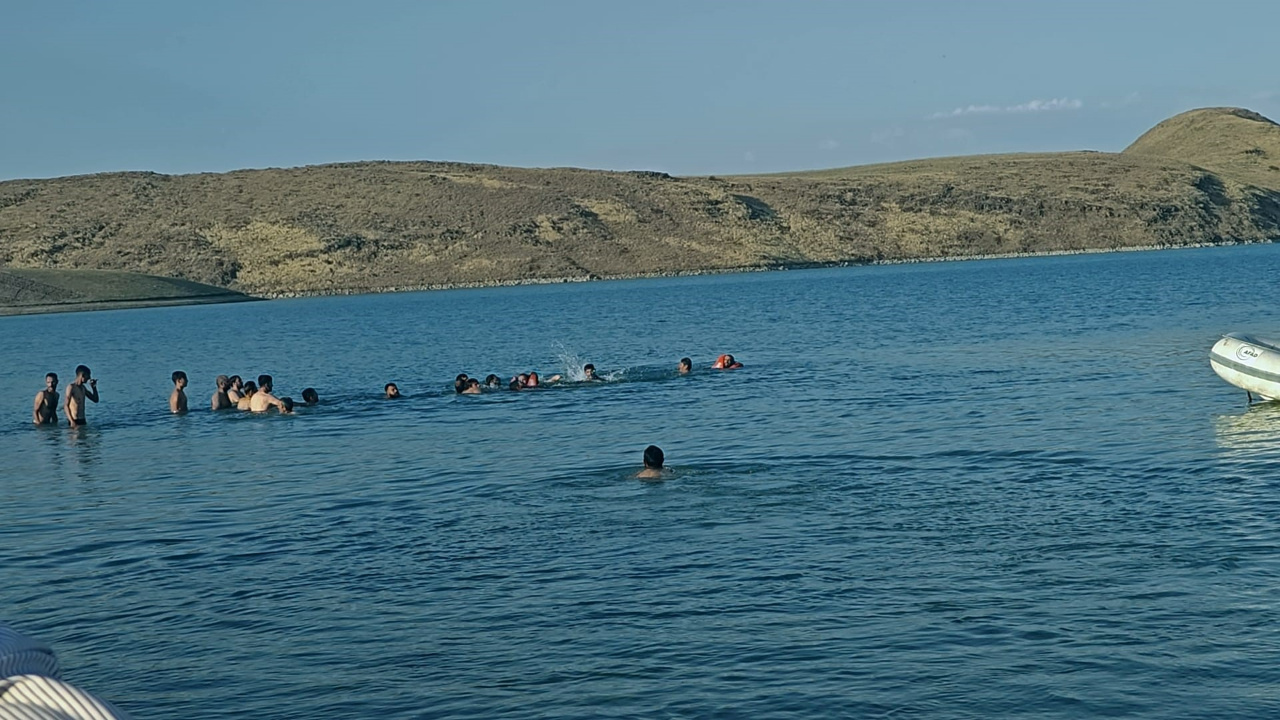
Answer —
1253 431
994 489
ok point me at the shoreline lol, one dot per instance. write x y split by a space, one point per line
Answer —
124 304
233 296
816 265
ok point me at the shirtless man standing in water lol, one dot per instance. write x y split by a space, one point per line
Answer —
263 400
220 399
46 409
178 399
77 393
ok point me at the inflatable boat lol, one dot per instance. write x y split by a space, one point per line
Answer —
1250 363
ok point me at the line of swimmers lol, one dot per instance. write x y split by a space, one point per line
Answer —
235 393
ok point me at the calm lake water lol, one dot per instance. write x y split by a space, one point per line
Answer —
990 489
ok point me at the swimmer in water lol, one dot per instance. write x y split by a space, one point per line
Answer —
310 397
653 459
726 362
246 398
531 380
235 389
514 385
45 411
77 393
286 406
685 367
493 382
472 388
221 400
460 383
392 392
178 399
263 400
589 374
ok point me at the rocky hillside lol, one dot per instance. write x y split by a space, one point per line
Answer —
1207 176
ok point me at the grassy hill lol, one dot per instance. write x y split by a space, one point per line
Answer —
27 291
1206 176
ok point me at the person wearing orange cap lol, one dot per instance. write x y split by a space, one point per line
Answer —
726 362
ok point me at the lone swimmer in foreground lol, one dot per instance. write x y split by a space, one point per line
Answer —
45 411
81 389
653 459
685 367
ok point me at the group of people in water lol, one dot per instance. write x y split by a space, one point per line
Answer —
235 393
232 392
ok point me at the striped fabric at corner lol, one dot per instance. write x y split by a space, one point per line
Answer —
21 655
30 688
32 697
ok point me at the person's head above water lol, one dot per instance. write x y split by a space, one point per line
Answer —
179 378
83 372
286 405
492 381
686 365
653 457
250 388
460 382
51 381
391 391
310 396
473 387
531 379
264 383
589 372
222 382
514 384
235 381
726 362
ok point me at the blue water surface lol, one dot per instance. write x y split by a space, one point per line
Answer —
1005 488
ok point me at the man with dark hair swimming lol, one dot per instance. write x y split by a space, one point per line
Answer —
653 459
246 398
45 411
685 367
472 388
178 398
235 389
460 383
310 397
493 381
726 362
589 373
263 400
77 393
392 392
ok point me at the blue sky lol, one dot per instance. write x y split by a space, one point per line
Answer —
682 87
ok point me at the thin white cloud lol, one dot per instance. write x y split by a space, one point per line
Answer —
886 137
1032 106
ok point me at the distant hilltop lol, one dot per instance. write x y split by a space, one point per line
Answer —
1203 177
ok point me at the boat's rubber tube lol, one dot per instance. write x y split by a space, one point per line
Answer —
1248 362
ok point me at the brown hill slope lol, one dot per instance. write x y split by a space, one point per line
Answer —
1234 142
381 225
